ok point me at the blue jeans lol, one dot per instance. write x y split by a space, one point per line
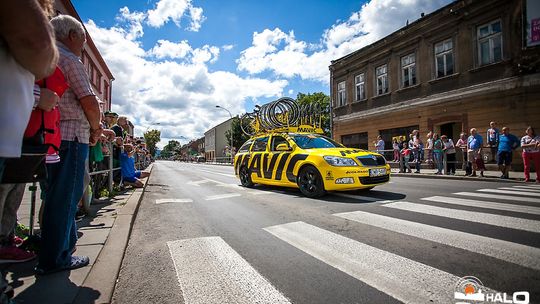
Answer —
438 158
64 190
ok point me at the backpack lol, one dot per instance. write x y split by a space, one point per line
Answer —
42 135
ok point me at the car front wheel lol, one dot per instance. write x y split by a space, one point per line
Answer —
310 182
245 177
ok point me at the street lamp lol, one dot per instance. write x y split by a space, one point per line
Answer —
151 124
231 146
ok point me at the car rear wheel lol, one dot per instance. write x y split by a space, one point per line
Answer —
245 177
310 182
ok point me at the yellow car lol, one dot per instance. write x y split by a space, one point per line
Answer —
308 161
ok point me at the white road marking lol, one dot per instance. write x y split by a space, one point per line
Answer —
261 192
476 217
219 173
507 251
528 187
198 183
483 204
503 197
360 197
222 196
515 192
520 189
173 200
401 278
210 271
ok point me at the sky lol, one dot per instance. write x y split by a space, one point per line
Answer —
174 60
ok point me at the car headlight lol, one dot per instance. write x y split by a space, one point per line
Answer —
340 161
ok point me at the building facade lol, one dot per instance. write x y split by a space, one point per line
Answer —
462 66
96 68
216 145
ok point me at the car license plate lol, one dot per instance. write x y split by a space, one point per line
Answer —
377 172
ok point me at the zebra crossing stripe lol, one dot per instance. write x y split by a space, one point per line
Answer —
210 271
380 269
517 192
470 216
520 189
507 251
360 197
528 187
222 196
483 204
502 197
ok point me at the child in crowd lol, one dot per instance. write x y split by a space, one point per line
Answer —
395 146
406 154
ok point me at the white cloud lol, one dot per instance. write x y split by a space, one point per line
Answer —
205 54
182 93
165 48
174 10
227 47
281 53
134 21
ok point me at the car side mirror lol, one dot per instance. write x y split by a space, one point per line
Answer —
283 147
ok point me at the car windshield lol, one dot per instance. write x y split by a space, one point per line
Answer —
312 141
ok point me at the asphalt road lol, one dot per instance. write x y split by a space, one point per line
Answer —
200 238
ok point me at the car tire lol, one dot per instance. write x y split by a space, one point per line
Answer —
310 182
245 177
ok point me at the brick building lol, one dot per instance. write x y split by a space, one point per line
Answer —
462 66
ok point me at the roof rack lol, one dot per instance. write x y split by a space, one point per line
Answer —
283 115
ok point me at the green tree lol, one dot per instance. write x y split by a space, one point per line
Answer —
239 137
170 149
151 138
323 101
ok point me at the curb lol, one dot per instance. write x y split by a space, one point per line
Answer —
104 273
453 177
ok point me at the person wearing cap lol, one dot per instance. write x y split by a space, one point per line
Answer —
110 119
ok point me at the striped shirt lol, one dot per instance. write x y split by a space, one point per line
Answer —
73 122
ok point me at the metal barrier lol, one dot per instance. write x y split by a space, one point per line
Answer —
108 171
461 160
221 160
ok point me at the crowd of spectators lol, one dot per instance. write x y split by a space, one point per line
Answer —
43 82
441 149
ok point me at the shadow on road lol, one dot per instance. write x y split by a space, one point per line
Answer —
351 197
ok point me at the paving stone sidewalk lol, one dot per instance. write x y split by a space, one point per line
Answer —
103 236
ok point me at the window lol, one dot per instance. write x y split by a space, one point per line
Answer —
444 58
313 141
276 140
245 147
358 140
342 95
408 70
360 87
489 43
260 144
382 79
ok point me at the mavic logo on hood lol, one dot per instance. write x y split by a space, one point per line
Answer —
347 152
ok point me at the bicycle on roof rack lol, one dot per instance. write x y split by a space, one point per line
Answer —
279 114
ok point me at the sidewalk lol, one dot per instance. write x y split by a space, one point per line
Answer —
103 236
490 175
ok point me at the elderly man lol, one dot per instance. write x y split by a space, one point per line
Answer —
474 150
79 126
